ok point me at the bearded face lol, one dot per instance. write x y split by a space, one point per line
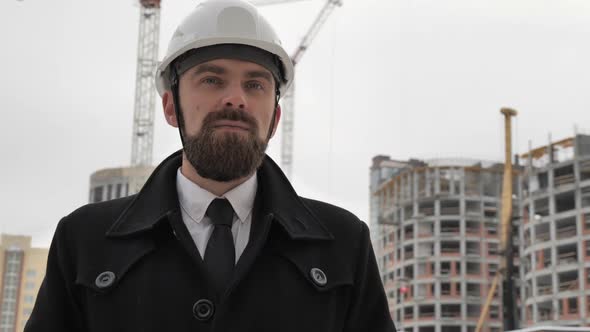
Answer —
224 155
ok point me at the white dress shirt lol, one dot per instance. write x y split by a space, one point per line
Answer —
195 200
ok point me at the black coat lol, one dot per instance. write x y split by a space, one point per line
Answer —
130 265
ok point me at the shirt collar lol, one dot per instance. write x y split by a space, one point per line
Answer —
195 199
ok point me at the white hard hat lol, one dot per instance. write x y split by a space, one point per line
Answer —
216 22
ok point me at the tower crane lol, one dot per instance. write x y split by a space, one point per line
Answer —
145 93
288 115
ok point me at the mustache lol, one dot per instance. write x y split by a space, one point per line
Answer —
231 115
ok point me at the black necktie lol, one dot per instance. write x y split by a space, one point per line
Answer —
220 254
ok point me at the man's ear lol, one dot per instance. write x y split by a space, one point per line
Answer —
276 120
168 106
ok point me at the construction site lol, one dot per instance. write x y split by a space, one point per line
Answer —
442 230
463 245
439 227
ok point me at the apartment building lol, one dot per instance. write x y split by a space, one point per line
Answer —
22 268
438 243
555 218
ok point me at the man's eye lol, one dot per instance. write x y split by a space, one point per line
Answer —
254 85
211 80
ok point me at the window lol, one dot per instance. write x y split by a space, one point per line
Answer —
585 170
491 228
426 311
445 289
542 233
543 180
450 247
572 305
545 311
97 194
450 310
564 175
29 285
472 227
449 208
119 189
29 299
565 202
445 180
31 273
451 328
494 312
544 286
541 207
472 248
585 192
409 313
425 249
472 183
473 207
492 249
473 290
490 209
492 270
109 191
473 268
408 232
491 184
426 208
473 310
568 281
567 254
425 229
408 212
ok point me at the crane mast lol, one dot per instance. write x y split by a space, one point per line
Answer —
147 58
289 98
505 271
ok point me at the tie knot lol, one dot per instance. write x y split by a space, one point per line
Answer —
220 212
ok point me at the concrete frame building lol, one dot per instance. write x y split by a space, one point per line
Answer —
438 241
22 269
111 183
555 212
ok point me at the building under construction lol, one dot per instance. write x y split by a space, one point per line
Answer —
437 241
555 213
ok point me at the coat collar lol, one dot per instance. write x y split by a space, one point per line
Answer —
158 199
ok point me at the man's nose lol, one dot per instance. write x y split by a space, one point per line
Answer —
235 97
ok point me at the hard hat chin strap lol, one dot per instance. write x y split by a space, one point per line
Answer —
274 114
176 100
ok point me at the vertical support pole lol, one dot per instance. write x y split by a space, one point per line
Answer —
506 243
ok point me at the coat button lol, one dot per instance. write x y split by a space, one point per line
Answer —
105 279
319 277
203 309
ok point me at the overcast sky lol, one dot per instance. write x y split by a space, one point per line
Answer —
405 78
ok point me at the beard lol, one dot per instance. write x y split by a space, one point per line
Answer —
225 156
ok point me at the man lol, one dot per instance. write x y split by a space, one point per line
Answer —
217 239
